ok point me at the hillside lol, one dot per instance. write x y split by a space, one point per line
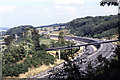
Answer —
53 25
100 26
97 27
21 55
18 30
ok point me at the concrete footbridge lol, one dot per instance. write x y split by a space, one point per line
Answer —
74 46
88 42
84 42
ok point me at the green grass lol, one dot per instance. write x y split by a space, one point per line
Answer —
45 41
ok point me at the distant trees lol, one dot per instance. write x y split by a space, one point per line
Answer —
9 39
18 30
100 26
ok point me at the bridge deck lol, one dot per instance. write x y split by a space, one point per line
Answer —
74 46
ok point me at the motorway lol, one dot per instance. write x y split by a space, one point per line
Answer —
106 50
90 54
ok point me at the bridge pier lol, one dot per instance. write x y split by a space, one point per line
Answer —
84 49
79 48
59 54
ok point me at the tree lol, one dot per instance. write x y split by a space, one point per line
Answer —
100 58
52 43
61 39
18 30
8 40
35 37
91 26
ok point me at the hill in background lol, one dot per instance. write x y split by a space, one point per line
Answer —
18 30
97 27
100 26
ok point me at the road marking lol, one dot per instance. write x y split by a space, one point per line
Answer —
96 52
94 48
113 46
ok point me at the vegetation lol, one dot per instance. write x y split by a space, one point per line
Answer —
18 30
24 52
61 38
8 39
100 26
62 42
35 38
45 41
53 25
65 54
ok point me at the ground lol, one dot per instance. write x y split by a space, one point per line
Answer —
45 41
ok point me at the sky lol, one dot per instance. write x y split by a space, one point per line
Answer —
14 13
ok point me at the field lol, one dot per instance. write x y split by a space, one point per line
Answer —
45 41
57 32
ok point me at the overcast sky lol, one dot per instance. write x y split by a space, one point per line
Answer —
43 12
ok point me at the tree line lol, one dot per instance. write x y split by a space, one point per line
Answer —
100 26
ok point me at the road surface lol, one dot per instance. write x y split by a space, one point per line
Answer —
93 51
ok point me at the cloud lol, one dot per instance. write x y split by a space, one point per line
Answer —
87 1
108 10
20 0
7 8
97 11
39 12
68 2
66 8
